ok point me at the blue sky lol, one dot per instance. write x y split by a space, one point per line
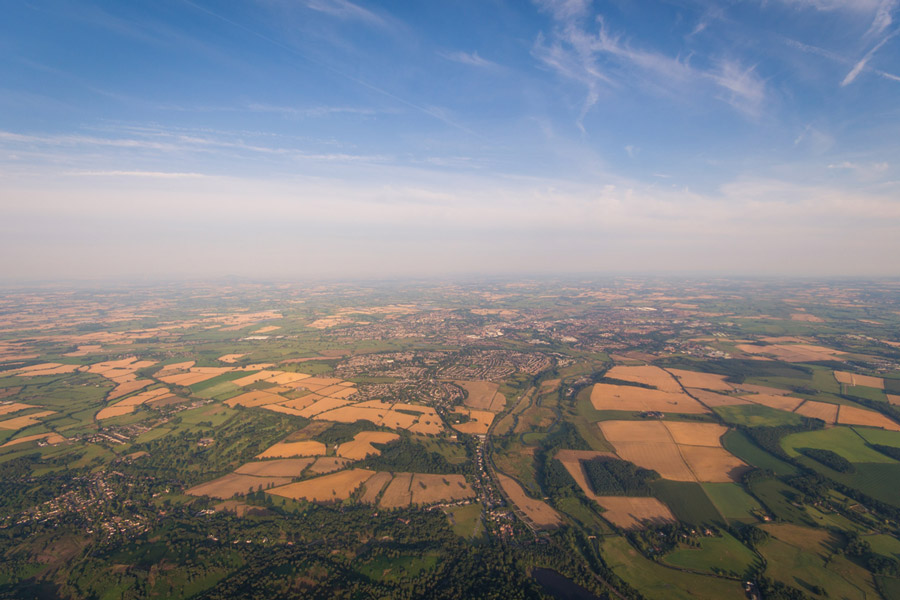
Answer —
309 138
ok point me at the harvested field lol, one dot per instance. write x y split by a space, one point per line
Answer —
696 434
677 451
648 375
328 390
114 411
713 465
632 513
282 409
712 399
397 494
267 329
431 489
807 318
47 369
127 387
254 398
285 467
634 431
255 377
320 382
571 460
328 488
481 395
893 399
850 415
662 457
303 401
818 410
323 405
361 444
373 486
168 369
785 403
794 352
286 378
606 396
479 424
343 391
327 464
50 438
26 421
231 358
706 381
147 396
540 513
398 420
863 380
291 449
6 409
234 483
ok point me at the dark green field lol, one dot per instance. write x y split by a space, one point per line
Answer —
688 502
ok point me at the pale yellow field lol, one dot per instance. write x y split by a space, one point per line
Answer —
540 513
343 391
250 379
606 396
696 434
254 398
322 406
291 449
713 399
863 380
571 460
361 444
426 426
662 457
327 464
480 421
303 401
48 369
633 512
284 467
398 420
480 394
267 329
806 317
793 352
353 413
51 438
285 378
127 387
26 421
6 409
850 415
282 409
143 397
328 390
114 411
818 410
706 381
715 465
648 375
231 358
182 366
431 489
234 483
787 403
327 488
633 431
893 399
397 493
373 486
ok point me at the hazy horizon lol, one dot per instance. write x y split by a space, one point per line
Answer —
344 140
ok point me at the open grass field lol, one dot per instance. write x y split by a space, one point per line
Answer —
466 520
284 467
327 488
703 381
756 415
804 557
540 513
605 396
291 449
842 440
878 436
733 502
6 409
778 498
235 483
657 582
739 445
634 512
687 501
722 555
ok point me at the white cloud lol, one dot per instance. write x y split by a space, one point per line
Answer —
468 58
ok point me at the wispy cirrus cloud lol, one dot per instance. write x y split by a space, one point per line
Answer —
468 58
344 9
861 64
586 51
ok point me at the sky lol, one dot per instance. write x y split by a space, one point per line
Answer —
334 138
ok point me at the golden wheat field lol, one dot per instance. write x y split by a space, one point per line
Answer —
705 381
327 488
851 415
863 380
540 513
648 375
282 467
818 410
235 483
361 444
605 396
634 512
291 449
